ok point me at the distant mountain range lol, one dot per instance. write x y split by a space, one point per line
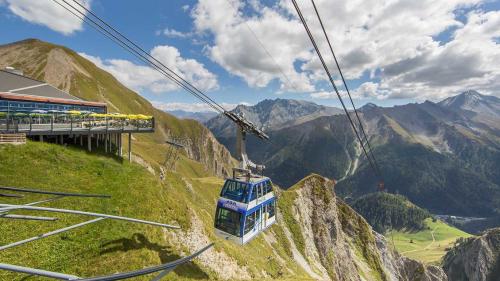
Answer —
442 156
201 117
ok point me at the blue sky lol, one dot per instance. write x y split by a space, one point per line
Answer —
392 52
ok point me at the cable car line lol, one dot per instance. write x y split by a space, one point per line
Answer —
166 267
244 124
91 214
325 67
147 54
348 92
134 52
37 191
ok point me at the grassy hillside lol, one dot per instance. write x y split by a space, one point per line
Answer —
428 245
385 211
65 69
111 246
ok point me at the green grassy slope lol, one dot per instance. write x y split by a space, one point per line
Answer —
83 79
421 246
134 193
111 246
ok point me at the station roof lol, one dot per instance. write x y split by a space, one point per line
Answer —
18 87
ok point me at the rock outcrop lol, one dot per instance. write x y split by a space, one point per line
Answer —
475 258
337 243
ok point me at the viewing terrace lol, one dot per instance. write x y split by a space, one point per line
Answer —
73 122
34 109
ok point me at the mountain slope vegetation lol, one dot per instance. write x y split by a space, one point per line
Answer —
385 211
440 156
305 244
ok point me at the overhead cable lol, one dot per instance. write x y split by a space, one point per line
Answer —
325 67
348 93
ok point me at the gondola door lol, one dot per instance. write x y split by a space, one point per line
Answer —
258 219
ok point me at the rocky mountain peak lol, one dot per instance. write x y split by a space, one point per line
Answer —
273 114
368 106
474 104
466 99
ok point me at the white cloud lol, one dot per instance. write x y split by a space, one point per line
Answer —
172 33
48 13
471 60
237 51
141 77
324 95
364 91
190 107
395 41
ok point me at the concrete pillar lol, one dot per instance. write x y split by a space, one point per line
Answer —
97 141
61 137
74 139
41 138
129 147
89 142
81 140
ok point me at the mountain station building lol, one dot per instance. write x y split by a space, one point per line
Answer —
35 109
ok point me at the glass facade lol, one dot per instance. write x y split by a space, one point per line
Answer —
28 106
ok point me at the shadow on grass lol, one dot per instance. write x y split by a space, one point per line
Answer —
139 241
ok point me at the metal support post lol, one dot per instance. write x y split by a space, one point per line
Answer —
129 147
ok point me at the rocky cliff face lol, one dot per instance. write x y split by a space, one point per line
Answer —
332 242
475 259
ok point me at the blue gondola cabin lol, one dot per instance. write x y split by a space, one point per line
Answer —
245 209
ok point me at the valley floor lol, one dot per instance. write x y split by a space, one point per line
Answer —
428 245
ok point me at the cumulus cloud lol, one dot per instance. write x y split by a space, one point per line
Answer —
190 107
172 33
236 49
140 77
47 13
366 90
471 60
396 42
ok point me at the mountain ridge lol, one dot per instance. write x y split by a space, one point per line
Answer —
455 155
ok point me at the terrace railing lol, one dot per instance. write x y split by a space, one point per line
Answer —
69 123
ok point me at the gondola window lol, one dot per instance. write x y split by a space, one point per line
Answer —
234 190
228 221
